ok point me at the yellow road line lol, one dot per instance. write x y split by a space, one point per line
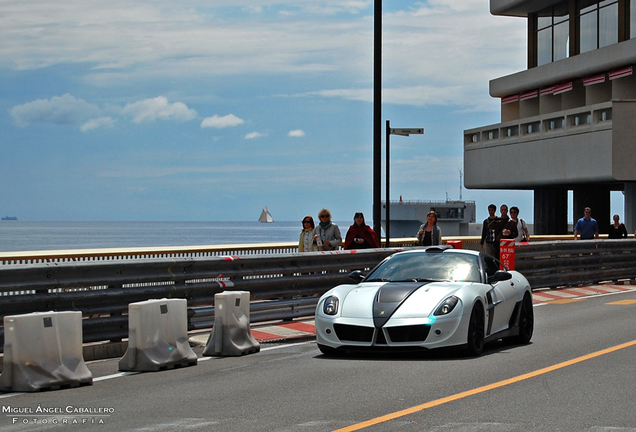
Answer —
564 301
622 302
397 414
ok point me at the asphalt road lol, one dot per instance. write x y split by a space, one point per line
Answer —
578 374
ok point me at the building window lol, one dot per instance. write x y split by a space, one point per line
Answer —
598 24
632 19
449 213
553 34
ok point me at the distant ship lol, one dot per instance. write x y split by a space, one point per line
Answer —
9 218
266 216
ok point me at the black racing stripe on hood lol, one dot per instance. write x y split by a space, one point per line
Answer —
389 298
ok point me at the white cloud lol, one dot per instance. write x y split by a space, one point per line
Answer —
296 133
253 135
417 96
438 43
253 9
97 122
217 122
149 110
59 110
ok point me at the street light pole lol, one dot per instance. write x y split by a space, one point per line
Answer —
387 206
377 118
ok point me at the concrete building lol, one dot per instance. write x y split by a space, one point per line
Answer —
453 217
568 122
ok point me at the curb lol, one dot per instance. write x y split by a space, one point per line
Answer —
548 295
293 330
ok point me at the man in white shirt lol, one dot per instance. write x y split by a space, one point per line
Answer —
522 227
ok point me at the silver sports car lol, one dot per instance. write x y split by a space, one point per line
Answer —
427 298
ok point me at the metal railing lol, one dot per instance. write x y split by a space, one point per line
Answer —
115 254
565 263
279 285
282 285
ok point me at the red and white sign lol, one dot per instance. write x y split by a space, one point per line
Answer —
507 253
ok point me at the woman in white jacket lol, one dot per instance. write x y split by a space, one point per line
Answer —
306 242
327 233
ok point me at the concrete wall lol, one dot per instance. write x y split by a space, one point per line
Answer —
561 153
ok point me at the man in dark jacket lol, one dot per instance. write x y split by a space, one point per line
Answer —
503 227
487 235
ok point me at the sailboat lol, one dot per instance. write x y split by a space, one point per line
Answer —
266 216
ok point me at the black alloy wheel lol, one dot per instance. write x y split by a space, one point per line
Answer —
526 320
475 345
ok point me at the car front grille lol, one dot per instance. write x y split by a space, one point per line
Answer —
402 334
414 333
353 333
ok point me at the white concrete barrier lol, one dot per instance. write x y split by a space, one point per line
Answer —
231 334
157 336
43 351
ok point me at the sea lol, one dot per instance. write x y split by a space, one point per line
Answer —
17 235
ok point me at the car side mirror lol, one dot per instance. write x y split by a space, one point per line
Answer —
356 275
499 276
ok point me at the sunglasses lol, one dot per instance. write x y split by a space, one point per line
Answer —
306 221
324 216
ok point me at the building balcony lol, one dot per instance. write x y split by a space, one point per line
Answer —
560 148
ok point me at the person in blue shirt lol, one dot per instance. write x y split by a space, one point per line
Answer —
586 226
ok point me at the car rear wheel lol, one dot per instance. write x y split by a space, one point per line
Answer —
475 345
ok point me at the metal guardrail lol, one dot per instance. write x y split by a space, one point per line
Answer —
282 285
102 290
565 263
116 254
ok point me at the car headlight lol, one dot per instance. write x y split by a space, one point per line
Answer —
330 307
447 306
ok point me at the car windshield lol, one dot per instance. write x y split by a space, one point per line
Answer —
427 267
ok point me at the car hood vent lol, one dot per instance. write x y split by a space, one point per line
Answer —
389 297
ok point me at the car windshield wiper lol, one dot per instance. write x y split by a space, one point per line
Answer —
378 280
416 280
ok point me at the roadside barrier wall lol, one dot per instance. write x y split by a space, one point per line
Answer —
43 351
231 334
157 336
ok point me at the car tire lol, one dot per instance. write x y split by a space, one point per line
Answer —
526 320
327 351
476 325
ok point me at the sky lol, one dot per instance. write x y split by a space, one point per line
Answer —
210 110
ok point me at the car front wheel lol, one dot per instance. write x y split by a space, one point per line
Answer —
475 345
526 320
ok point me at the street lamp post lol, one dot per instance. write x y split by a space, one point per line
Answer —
377 117
387 206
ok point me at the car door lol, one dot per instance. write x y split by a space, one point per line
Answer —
501 299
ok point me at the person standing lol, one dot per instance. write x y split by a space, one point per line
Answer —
430 234
617 229
587 227
487 235
360 235
327 234
306 242
522 227
503 228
